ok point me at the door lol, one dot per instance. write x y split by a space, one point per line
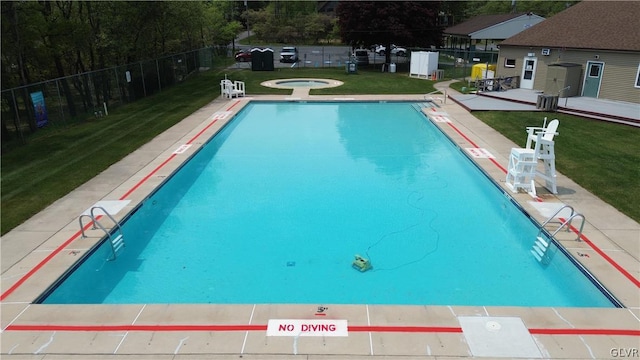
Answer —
592 79
528 72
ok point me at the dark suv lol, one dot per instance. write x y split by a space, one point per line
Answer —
289 54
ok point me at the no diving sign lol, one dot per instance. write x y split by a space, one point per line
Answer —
302 327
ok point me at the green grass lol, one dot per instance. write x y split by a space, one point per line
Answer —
601 157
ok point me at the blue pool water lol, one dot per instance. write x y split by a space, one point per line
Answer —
274 208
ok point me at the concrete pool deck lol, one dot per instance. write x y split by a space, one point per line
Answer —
38 251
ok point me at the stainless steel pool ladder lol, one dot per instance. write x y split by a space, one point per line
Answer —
541 245
117 241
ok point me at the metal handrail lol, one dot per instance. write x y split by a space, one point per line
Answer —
95 221
573 215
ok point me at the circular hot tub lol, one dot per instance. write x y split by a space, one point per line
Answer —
301 83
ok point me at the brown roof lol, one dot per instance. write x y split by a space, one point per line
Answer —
602 25
478 23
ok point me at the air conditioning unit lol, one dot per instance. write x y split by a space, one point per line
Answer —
546 52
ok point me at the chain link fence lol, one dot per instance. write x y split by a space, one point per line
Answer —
64 100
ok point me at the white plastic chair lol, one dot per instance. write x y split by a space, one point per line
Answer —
231 89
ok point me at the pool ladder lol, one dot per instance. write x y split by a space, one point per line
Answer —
117 241
540 248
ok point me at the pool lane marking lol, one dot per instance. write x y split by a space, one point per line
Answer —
352 328
618 267
55 252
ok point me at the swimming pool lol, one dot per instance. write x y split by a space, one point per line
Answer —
274 208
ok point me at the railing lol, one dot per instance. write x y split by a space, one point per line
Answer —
541 246
117 242
573 215
498 84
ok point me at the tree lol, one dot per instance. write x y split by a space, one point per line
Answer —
543 8
410 23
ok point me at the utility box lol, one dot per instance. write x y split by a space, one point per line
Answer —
351 67
563 79
262 59
423 64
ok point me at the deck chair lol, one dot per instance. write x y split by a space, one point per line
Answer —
230 89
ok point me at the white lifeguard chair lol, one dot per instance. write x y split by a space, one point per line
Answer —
522 170
523 162
540 140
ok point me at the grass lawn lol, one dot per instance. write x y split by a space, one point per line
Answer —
58 159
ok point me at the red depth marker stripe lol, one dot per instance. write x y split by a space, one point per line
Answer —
613 332
409 329
77 234
100 328
476 146
618 267
248 327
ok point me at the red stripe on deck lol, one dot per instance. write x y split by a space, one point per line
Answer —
258 327
609 332
618 267
407 329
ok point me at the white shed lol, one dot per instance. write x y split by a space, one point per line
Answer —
423 64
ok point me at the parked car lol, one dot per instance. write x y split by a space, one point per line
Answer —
243 55
361 56
395 50
289 54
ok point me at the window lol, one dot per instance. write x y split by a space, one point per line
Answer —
638 78
594 70
510 63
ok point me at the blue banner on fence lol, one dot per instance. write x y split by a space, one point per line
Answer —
40 108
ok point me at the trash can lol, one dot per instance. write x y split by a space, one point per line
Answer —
392 67
351 67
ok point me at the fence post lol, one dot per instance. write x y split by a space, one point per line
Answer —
118 85
144 87
60 102
16 119
158 72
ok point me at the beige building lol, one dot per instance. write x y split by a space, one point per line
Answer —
591 49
